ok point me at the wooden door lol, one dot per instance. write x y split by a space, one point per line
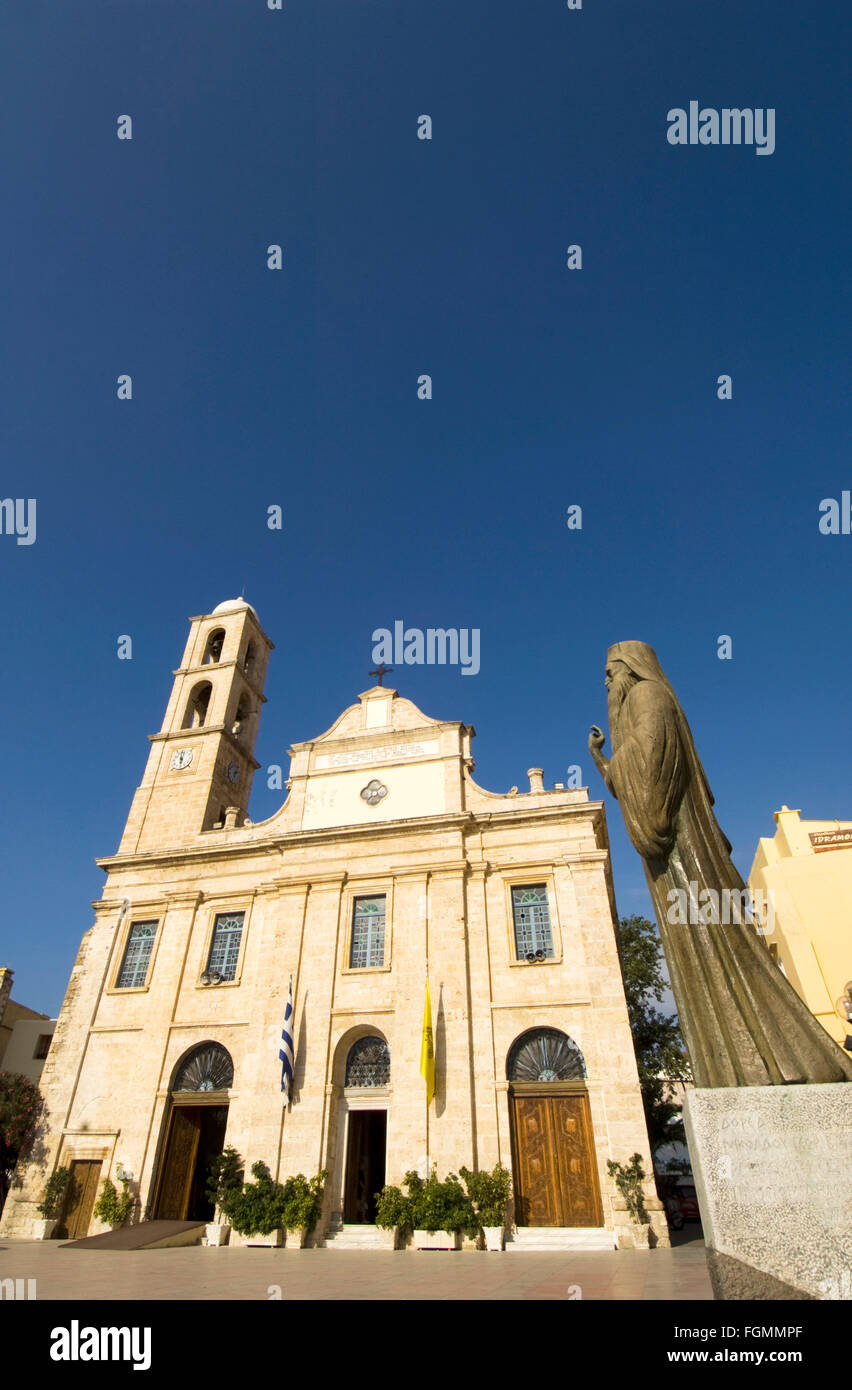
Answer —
556 1181
179 1162
80 1198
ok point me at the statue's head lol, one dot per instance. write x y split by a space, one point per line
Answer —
638 658
627 663
615 671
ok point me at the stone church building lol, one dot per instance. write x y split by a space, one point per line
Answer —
384 856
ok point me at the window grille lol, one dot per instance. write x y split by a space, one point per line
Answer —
533 937
225 946
208 1068
134 967
368 934
545 1054
368 1063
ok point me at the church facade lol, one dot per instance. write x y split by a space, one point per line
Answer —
385 859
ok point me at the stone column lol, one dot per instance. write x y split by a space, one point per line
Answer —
407 1123
453 1121
487 1077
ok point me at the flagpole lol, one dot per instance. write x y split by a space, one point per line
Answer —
428 1163
286 1050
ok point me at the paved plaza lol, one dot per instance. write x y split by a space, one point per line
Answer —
199 1272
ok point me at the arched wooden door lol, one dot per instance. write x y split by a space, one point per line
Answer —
553 1146
195 1134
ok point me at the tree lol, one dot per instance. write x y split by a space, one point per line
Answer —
21 1107
660 1054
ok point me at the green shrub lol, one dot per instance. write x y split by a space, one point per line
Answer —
256 1208
429 1206
393 1208
629 1178
302 1203
112 1209
225 1175
489 1193
54 1190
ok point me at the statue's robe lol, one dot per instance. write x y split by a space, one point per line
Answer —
742 1021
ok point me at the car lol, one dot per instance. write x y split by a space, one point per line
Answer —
686 1200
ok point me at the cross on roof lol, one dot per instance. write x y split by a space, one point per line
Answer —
382 671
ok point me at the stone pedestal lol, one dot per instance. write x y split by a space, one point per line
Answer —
773 1172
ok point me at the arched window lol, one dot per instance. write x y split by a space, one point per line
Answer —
248 663
208 1068
368 1063
215 643
545 1054
196 709
243 712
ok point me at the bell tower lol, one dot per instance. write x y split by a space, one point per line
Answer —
202 761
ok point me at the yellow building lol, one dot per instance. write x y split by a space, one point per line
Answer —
806 871
385 855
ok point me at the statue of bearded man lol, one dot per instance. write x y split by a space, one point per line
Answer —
742 1021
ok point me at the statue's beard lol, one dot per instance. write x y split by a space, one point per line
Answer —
619 688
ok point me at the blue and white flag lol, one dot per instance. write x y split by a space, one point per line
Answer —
286 1053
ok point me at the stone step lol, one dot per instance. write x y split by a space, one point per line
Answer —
560 1238
358 1237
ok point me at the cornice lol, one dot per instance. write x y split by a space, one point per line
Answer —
246 846
539 1004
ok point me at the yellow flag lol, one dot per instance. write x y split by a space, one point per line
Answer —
427 1049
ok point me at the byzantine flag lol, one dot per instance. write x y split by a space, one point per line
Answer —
427 1049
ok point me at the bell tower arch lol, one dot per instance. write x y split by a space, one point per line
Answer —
202 760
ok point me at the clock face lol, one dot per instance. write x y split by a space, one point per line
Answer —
233 772
182 758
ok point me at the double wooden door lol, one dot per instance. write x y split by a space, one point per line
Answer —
556 1181
80 1197
196 1134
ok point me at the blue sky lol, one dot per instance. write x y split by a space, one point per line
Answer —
551 387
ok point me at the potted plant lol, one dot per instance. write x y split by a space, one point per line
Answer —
393 1213
441 1212
301 1206
629 1179
489 1194
225 1176
255 1210
51 1203
110 1208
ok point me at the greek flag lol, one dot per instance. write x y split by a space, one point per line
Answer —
286 1052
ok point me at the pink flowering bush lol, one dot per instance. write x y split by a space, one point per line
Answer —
21 1108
